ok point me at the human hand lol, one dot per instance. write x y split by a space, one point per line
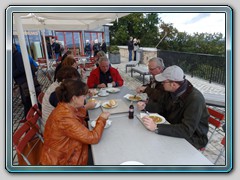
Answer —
141 105
149 123
105 115
101 85
140 89
113 84
90 105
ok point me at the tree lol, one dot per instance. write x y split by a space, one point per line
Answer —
138 25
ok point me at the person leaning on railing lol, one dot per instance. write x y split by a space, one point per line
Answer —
66 136
184 108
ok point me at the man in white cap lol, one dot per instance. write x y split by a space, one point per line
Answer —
184 108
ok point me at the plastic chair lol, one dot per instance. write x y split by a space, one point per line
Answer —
27 141
34 114
216 119
40 97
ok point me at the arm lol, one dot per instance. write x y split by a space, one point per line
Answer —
76 130
93 79
116 77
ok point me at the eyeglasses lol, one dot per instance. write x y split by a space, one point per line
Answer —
152 69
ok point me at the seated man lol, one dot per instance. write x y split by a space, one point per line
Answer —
104 74
154 88
184 108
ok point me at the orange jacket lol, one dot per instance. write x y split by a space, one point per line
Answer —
66 136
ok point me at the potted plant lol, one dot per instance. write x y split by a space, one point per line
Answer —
114 54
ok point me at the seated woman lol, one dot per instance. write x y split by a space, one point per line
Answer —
66 136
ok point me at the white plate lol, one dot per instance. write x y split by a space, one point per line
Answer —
154 114
103 95
108 123
113 90
132 163
107 102
128 96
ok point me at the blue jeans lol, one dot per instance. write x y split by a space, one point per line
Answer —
130 55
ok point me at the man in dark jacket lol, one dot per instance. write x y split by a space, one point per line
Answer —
184 108
21 80
130 48
154 88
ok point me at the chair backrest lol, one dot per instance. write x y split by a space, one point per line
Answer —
34 114
40 97
215 117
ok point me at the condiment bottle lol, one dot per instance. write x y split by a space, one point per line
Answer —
131 111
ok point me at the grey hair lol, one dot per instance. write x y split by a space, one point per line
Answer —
159 61
103 58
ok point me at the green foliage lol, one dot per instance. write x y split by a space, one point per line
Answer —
151 30
114 49
138 25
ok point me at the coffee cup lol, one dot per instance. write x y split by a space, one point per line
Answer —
103 91
109 85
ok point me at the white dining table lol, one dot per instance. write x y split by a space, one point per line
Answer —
128 140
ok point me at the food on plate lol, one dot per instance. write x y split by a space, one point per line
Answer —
112 102
156 119
135 98
92 100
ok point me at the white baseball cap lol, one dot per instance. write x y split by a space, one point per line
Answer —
172 73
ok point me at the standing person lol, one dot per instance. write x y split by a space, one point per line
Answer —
57 50
154 89
135 48
130 48
88 49
104 46
183 106
20 78
96 47
66 136
49 50
104 74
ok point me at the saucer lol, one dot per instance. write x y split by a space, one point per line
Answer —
106 94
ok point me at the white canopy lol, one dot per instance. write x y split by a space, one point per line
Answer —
66 21
56 21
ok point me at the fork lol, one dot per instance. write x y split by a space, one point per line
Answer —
146 111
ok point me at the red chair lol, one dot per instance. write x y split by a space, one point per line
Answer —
216 119
34 114
27 141
40 97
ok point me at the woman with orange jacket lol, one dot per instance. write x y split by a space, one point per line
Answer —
66 136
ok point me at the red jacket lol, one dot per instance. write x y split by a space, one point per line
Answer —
94 78
66 136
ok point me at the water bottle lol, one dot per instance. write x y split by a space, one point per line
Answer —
131 111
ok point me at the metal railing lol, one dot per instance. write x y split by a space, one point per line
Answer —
205 66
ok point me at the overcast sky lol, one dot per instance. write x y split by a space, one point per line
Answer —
196 22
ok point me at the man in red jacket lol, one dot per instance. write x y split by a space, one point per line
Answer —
104 74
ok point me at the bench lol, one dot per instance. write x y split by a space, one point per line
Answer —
131 64
214 99
141 70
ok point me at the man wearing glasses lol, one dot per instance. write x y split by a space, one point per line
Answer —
184 108
154 88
